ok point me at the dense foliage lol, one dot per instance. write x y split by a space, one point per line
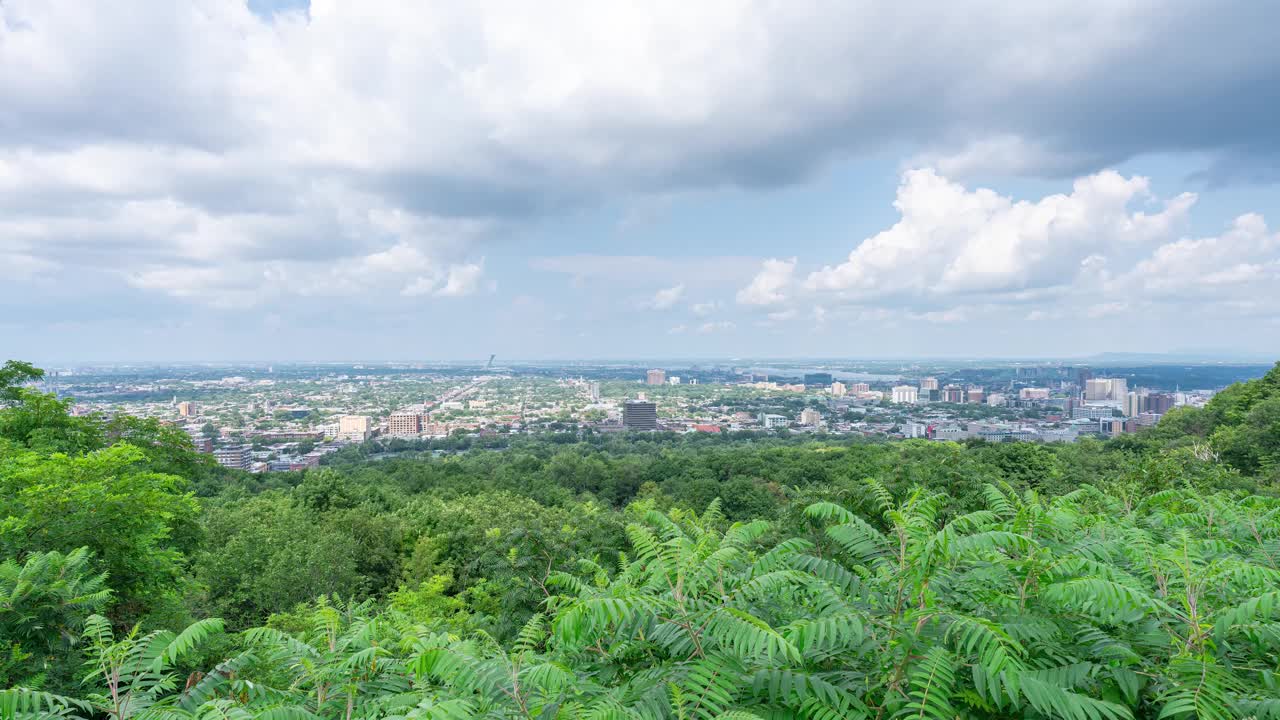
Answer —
644 577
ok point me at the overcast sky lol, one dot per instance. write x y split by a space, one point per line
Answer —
368 179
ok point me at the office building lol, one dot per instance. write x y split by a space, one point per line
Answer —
1159 403
976 395
929 383
1100 389
810 417
640 414
1082 376
1093 412
856 388
1137 402
187 409
770 421
239 457
404 424
905 394
838 389
354 428
1033 394
656 377
820 378
1096 389
952 394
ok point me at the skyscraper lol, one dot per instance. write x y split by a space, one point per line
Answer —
905 394
929 383
1096 389
656 377
187 409
1159 403
640 415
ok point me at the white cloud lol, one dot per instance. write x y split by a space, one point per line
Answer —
1244 259
770 285
199 151
951 241
705 308
462 280
665 299
712 327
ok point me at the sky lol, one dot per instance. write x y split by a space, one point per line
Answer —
375 179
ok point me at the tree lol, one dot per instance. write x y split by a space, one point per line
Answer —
134 521
13 376
43 606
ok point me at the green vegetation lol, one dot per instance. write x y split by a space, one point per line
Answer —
561 576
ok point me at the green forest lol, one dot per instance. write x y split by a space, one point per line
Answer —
643 576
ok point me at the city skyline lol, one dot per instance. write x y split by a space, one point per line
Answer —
317 181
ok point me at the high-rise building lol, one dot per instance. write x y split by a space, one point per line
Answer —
905 394
354 428
1100 389
1082 376
929 383
656 377
976 395
1159 403
640 414
1033 394
673 380
838 389
188 409
859 388
594 390
819 378
404 424
810 417
1096 389
953 394
239 457
1133 404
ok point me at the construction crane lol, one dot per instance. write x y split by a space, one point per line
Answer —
490 363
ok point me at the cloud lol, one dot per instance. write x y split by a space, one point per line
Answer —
712 327
952 241
462 280
1244 259
153 150
956 253
705 308
665 299
770 285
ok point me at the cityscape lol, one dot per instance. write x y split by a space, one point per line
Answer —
660 360
269 418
